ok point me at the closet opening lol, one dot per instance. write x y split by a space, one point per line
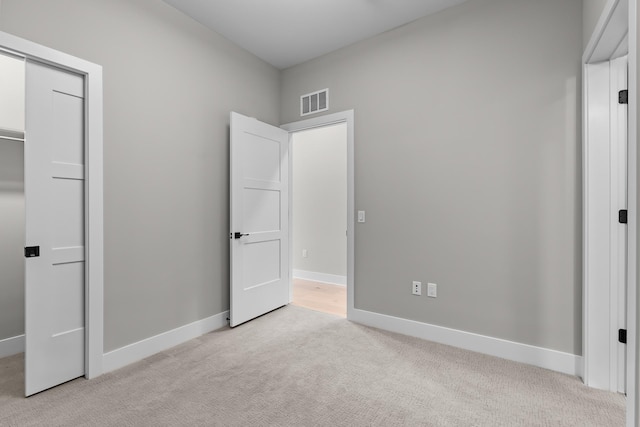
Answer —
12 205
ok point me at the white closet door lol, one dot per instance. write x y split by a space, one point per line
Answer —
55 227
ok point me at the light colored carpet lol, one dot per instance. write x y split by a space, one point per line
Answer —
297 367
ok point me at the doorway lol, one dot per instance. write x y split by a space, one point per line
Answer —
319 218
346 119
260 232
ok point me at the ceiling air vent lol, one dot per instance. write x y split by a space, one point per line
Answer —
315 102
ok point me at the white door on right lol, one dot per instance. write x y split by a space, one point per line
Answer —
55 227
259 218
619 154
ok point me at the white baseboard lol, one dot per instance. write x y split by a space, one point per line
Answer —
131 353
11 346
332 279
543 357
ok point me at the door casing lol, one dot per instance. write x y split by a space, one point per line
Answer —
93 142
604 245
615 30
317 122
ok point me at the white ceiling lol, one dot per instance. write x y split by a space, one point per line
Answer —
287 32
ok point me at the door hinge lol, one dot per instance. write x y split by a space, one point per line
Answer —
622 336
622 216
623 97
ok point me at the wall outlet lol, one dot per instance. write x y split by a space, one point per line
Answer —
305 253
416 288
432 290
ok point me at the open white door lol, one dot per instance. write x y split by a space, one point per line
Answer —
259 218
55 227
619 201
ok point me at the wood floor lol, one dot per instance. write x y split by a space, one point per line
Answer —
323 297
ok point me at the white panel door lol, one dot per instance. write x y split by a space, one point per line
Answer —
259 218
54 203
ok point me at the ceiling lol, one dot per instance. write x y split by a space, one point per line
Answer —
288 32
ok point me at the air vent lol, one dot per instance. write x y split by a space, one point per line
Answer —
315 102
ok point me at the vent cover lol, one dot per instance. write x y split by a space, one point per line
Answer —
315 102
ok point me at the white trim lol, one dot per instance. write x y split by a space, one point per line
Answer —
633 410
596 220
604 239
11 346
131 353
622 49
537 356
327 120
94 312
94 266
609 33
602 245
314 276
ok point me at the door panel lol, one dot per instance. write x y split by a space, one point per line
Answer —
265 202
261 263
54 203
68 138
67 212
259 211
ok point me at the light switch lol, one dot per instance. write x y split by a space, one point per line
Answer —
432 290
360 216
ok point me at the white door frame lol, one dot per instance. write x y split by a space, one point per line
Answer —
633 394
604 247
94 239
616 28
619 177
316 122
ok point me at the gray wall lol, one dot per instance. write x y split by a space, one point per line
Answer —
169 85
11 199
12 95
320 200
592 9
12 240
467 161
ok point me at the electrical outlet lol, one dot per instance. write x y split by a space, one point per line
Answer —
305 253
416 289
432 290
